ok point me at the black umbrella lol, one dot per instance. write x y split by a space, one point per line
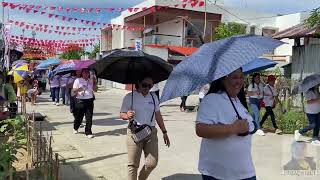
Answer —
128 66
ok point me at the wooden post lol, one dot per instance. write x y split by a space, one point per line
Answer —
10 171
56 167
45 160
27 172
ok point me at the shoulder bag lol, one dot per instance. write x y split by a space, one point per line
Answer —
142 132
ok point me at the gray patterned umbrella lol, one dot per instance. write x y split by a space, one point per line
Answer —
215 60
307 83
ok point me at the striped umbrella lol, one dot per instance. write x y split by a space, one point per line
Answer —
19 72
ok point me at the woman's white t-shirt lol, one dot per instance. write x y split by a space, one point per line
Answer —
256 88
312 108
269 100
225 158
143 106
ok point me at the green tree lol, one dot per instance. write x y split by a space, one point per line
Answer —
225 30
96 49
314 18
73 51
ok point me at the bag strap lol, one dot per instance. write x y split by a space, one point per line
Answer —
234 107
270 90
154 106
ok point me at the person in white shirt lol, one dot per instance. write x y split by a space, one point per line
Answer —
269 98
255 93
312 110
84 89
224 124
142 108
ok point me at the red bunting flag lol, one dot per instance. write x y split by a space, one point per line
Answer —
60 8
53 8
5 4
64 18
201 3
42 13
50 15
184 5
130 9
93 23
68 9
69 19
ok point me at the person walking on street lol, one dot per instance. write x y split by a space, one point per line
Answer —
224 124
84 89
312 110
55 89
141 108
255 93
183 106
270 101
63 87
10 96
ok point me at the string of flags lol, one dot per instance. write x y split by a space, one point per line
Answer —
37 8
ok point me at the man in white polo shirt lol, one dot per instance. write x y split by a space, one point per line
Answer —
83 88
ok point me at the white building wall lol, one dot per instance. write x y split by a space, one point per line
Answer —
282 23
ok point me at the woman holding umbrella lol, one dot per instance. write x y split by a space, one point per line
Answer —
255 93
220 120
142 108
84 89
312 110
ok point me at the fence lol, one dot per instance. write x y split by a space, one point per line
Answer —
39 147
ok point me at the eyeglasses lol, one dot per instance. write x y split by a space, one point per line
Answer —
146 85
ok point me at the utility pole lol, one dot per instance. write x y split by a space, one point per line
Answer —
205 19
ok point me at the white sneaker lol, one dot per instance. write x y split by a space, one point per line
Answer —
75 131
57 104
90 136
54 103
260 132
297 135
278 131
315 143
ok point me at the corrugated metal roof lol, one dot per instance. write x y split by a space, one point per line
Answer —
298 31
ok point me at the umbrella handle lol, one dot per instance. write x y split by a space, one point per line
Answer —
252 132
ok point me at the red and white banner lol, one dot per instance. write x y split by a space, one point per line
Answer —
38 8
73 28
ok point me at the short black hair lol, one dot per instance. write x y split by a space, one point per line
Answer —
217 86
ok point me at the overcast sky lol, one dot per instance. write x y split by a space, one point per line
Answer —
272 6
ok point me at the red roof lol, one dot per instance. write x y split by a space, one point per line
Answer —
187 51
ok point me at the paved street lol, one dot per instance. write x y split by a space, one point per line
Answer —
105 157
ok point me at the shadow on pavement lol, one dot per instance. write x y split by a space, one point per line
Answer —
101 158
101 114
116 132
183 177
114 121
